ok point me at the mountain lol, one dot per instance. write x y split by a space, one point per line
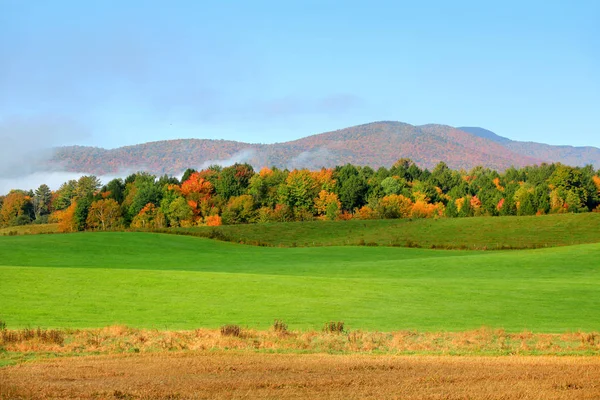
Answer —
569 155
375 144
484 133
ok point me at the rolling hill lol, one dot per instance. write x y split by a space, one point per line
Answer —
375 144
569 155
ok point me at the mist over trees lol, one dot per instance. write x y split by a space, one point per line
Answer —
238 194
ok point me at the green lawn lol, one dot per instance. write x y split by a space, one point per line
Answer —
182 282
457 233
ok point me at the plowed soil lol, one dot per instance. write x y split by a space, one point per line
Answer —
231 374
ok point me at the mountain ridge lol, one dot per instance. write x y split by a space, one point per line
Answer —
374 144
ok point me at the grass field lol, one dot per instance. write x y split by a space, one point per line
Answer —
455 233
179 282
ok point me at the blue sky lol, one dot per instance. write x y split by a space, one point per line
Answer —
112 73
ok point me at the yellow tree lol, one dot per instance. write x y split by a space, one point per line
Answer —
66 218
324 179
149 216
299 190
394 206
14 206
327 205
596 180
104 214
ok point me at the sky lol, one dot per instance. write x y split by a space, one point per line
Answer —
113 73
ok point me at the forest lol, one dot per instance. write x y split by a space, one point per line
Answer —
238 194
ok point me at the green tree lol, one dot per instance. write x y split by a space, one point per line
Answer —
179 211
186 175
264 186
82 209
140 191
239 210
541 198
234 180
116 188
353 193
41 202
65 195
87 186
299 190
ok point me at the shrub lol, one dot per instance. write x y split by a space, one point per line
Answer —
217 234
213 220
231 330
44 335
334 327
280 326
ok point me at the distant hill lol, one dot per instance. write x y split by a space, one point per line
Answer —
375 144
484 133
569 155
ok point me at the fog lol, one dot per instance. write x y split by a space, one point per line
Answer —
51 178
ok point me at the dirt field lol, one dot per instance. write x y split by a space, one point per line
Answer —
231 374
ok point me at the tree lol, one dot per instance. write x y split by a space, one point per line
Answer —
328 205
570 185
149 216
17 209
524 199
394 206
406 168
198 192
82 209
180 212
139 191
186 175
104 214
451 209
324 179
65 195
116 190
196 188
541 198
66 219
239 210
464 206
299 190
87 186
443 177
41 201
353 193
213 220
234 180
264 186
393 185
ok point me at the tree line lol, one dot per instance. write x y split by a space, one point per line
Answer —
239 194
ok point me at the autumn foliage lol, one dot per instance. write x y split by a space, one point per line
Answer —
238 195
104 215
213 220
66 219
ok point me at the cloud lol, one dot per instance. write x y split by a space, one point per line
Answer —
242 156
312 159
26 142
51 178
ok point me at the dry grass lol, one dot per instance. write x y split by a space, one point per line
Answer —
218 375
32 229
121 339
